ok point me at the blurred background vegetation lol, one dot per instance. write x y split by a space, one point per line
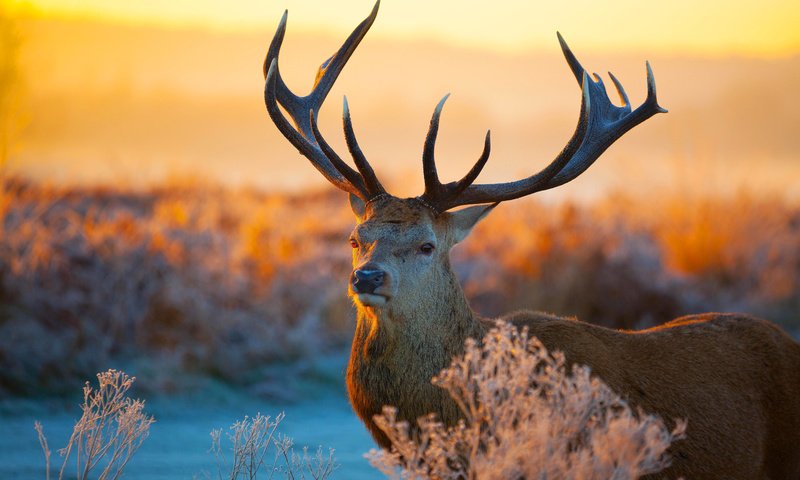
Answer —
198 279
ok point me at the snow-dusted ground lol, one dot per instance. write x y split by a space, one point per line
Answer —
178 445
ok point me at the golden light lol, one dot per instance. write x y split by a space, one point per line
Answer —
713 27
152 90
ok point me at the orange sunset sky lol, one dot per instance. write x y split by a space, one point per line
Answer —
146 90
710 26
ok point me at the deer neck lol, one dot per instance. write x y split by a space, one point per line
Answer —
396 352
433 327
399 350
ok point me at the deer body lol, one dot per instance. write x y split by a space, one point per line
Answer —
734 378
742 424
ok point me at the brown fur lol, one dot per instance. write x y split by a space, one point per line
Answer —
734 378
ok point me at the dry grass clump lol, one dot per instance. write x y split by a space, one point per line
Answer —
525 416
252 439
113 426
109 432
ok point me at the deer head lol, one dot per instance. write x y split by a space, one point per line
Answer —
400 246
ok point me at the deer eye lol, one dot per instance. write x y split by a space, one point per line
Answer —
353 243
426 248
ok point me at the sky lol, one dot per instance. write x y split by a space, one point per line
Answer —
712 27
151 90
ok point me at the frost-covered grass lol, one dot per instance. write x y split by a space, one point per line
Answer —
108 434
113 426
179 442
256 447
192 280
525 416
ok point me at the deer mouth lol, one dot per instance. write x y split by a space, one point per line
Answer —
372 299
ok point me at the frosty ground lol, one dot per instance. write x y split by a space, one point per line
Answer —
179 441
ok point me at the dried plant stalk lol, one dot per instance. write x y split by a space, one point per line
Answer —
525 417
252 438
109 432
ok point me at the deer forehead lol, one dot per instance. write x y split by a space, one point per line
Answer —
395 233
390 209
397 221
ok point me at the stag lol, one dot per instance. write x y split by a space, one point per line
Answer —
734 378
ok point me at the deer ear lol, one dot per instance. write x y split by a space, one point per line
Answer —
462 221
358 206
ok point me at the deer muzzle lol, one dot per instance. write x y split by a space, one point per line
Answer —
367 280
366 283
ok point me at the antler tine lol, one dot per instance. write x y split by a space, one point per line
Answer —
611 123
374 187
334 158
473 173
652 100
432 184
572 61
332 67
308 149
303 109
436 193
623 96
600 124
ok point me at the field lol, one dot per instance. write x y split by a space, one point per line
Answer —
209 292
153 220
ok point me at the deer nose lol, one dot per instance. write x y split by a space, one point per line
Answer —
367 280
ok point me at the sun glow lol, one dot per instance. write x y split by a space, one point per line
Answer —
711 27
143 91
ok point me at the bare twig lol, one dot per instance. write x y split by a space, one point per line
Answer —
109 432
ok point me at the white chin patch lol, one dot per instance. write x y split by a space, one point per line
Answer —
370 300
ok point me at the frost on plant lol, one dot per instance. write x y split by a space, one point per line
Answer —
109 432
257 446
525 417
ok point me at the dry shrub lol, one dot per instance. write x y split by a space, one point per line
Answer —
113 426
252 439
525 417
109 432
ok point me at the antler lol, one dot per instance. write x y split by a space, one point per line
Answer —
305 135
600 124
